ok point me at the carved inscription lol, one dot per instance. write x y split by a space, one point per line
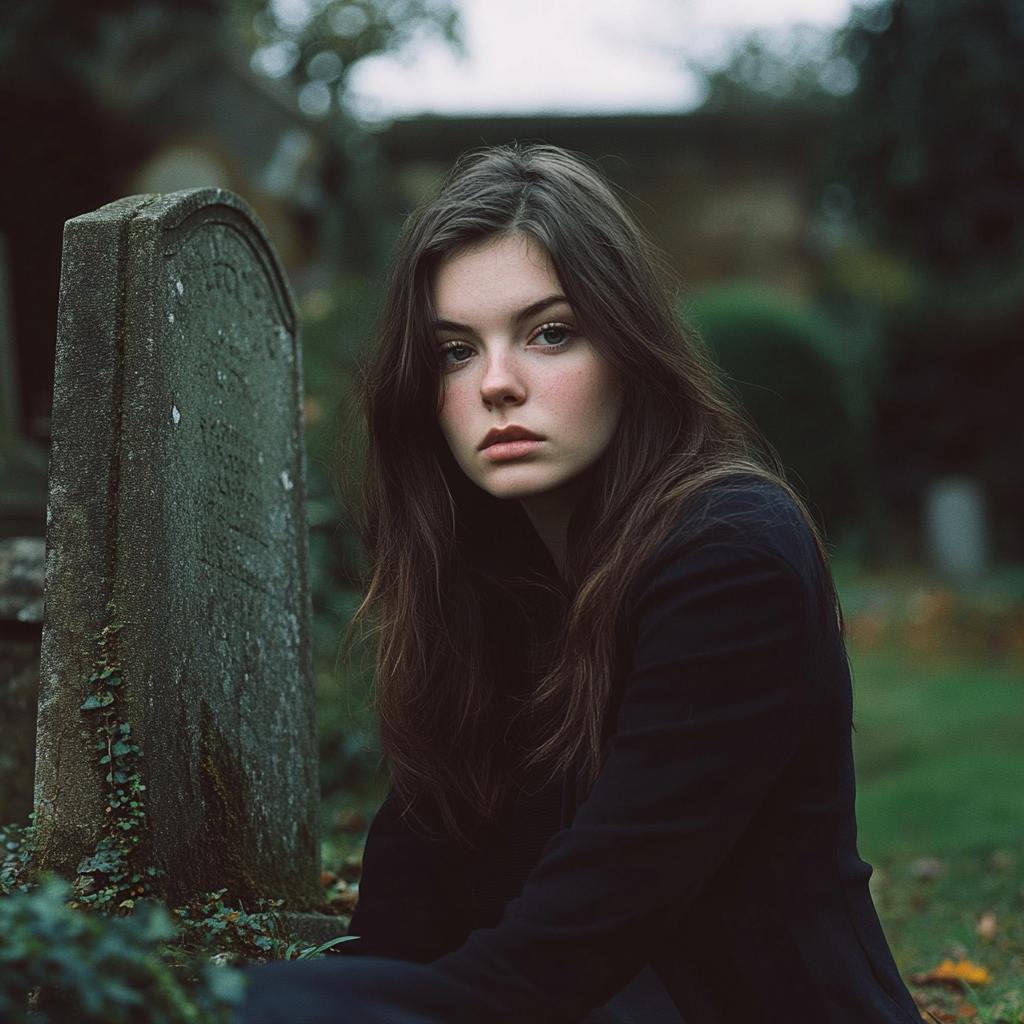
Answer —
235 415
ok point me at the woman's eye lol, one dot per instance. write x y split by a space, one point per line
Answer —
456 353
553 334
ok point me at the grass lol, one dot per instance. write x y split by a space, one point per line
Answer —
940 755
940 762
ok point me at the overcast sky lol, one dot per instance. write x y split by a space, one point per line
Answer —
572 56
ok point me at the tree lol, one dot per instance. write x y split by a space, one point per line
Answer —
932 146
797 66
310 44
314 44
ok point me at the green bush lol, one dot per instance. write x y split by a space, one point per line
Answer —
77 967
774 354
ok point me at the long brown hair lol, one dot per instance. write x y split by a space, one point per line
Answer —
444 721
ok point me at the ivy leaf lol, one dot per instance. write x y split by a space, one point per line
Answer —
97 700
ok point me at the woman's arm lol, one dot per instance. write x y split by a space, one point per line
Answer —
713 709
413 895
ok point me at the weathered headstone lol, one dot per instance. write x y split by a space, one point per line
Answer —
22 462
177 512
21 623
956 524
22 510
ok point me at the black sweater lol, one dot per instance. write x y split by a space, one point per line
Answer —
718 845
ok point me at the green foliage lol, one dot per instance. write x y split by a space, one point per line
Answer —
111 877
305 44
15 865
773 352
49 42
72 966
800 66
334 318
211 925
931 145
147 965
315 45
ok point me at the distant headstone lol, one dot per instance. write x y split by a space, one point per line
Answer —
21 621
22 463
177 510
956 524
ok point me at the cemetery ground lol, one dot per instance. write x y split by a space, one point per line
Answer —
939 689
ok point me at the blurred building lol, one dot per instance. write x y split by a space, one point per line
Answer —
727 195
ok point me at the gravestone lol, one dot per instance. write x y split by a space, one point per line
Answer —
21 621
22 510
956 524
177 523
22 462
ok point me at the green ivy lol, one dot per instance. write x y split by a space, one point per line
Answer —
135 960
112 878
210 924
18 846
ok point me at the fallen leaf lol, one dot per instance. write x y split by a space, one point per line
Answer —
954 974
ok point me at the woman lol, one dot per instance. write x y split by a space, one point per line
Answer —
612 688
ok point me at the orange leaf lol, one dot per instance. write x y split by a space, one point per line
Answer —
955 974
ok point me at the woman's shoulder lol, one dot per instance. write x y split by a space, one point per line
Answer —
749 509
743 516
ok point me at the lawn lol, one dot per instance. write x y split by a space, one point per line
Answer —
939 743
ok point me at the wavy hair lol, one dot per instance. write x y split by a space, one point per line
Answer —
444 716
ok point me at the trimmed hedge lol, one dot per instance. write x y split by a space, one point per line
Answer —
774 354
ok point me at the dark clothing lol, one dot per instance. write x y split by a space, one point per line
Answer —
718 845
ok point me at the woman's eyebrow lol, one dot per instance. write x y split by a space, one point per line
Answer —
526 313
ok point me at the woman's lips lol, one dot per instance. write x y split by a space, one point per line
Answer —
511 442
503 451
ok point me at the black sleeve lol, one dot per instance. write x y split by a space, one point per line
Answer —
714 707
413 894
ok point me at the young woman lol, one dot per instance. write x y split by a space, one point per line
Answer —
612 688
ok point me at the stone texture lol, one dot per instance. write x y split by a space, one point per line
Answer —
21 617
177 507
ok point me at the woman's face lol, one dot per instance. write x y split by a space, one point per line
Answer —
528 404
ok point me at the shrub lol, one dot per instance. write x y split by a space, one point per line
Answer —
77 967
773 352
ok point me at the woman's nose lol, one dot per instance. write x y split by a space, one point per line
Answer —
502 383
